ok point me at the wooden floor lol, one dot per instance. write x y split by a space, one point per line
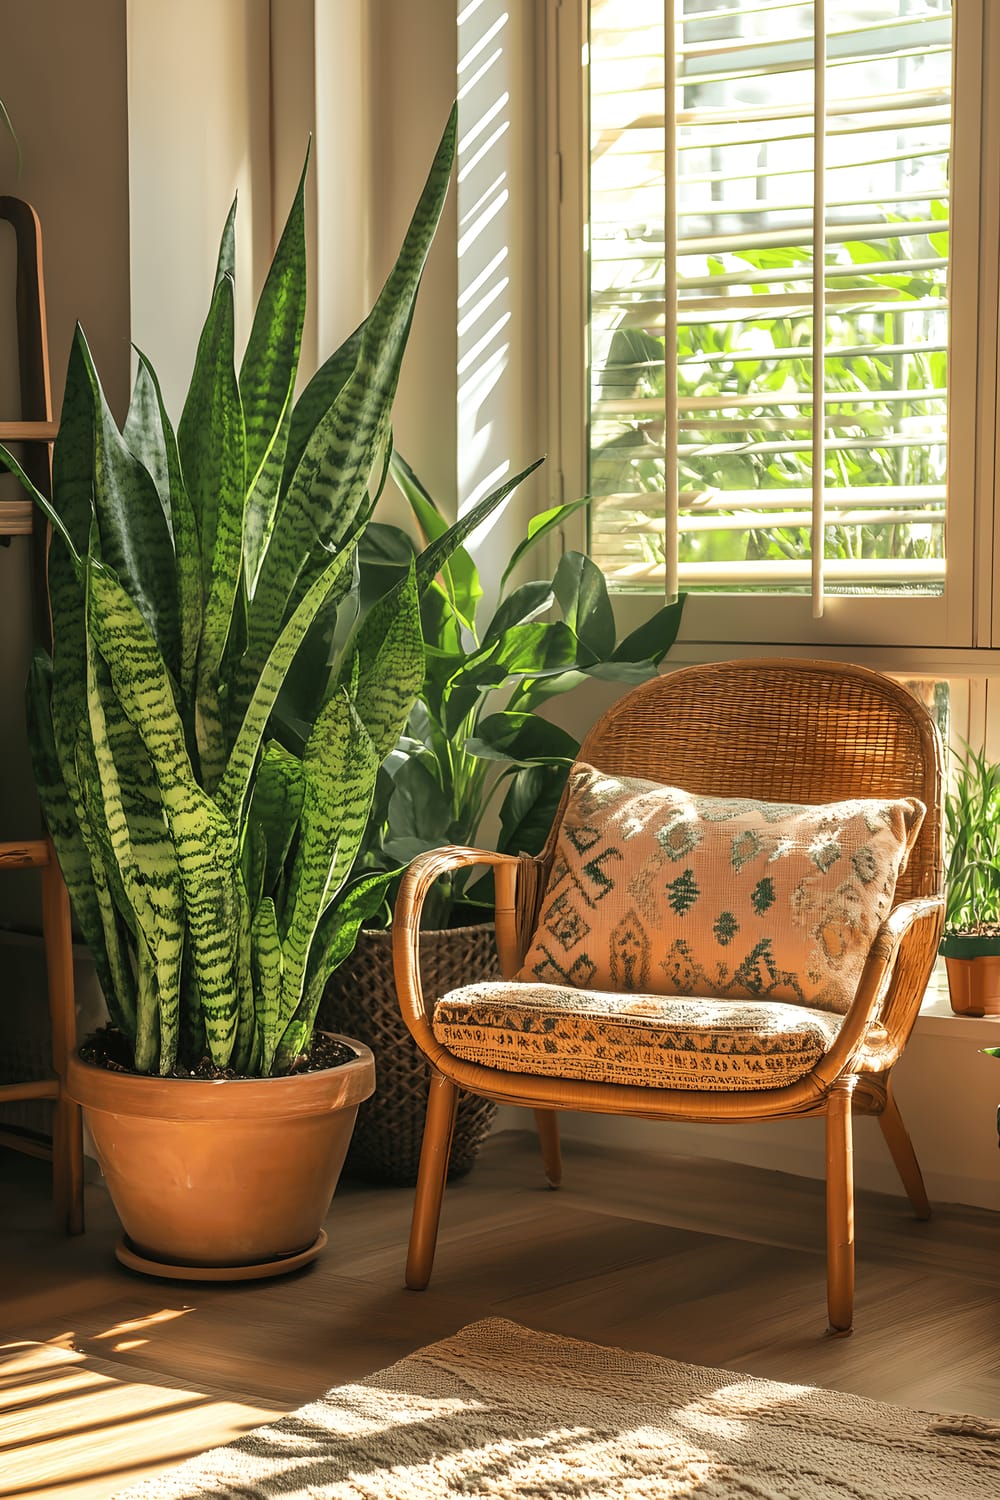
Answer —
106 1376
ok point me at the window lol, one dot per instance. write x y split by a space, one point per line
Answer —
737 407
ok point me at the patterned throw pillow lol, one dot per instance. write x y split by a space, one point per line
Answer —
653 889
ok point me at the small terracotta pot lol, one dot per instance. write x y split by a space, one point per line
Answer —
974 985
229 1173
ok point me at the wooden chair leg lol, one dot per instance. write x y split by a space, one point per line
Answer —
547 1125
897 1138
67 1119
442 1103
839 1210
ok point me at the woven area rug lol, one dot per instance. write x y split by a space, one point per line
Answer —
499 1411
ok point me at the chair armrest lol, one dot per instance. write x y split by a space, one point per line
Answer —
891 989
421 875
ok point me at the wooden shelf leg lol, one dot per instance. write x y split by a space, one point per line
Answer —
67 1126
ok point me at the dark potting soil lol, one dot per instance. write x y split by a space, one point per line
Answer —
108 1049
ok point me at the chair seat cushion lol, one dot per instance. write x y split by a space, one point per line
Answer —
654 889
652 1041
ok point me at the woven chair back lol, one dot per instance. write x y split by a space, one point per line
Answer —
782 731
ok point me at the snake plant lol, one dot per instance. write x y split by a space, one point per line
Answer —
210 867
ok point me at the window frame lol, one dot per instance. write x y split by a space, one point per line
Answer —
966 617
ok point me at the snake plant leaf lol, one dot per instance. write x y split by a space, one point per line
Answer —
328 489
204 839
212 446
145 862
225 264
582 594
154 443
390 653
247 1039
317 397
233 786
267 381
265 948
144 436
44 504
63 826
117 920
335 938
135 539
340 768
539 527
276 806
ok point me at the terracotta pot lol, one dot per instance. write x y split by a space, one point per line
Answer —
227 1175
974 984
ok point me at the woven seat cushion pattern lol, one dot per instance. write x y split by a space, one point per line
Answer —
655 890
652 1041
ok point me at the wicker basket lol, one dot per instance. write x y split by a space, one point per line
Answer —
360 1000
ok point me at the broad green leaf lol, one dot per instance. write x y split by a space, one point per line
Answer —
652 640
430 561
522 738
418 808
539 527
524 604
459 574
582 594
529 808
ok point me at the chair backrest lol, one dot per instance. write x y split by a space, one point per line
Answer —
781 731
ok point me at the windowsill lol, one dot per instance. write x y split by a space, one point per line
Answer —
937 1018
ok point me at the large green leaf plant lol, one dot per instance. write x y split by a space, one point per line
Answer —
474 741
211 868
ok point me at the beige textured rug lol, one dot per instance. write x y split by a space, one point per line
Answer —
501 1412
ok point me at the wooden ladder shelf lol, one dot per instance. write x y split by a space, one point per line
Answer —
19 518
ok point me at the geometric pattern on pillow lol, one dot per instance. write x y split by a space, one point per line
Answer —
652 1041
655 890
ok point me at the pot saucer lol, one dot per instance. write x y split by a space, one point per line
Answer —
280 1267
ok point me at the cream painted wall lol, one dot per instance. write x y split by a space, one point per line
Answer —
62 76
199 130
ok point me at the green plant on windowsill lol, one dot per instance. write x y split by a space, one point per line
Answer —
475 740
971 942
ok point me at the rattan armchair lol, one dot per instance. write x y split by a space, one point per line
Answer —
806 732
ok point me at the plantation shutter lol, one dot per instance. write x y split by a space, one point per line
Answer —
743 407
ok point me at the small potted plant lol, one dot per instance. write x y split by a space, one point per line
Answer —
476 759
211 869
971 942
